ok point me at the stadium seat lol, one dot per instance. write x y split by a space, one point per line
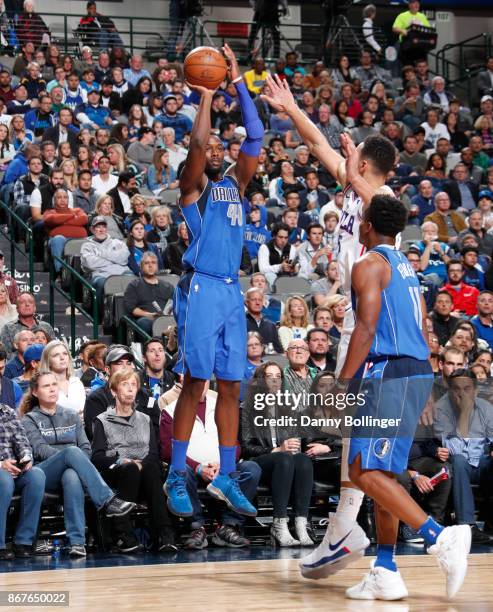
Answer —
411 232
114 287
161 324
172 279
292 284
245 283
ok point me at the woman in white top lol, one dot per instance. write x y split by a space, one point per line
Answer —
294 321
56 358
7 150
8 312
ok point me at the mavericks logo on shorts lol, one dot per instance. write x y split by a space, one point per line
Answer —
381 447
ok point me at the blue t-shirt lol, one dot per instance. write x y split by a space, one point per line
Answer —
436 265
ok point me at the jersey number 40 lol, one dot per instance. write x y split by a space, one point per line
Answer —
235 213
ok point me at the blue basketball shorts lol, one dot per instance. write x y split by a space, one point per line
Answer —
211 322
395 393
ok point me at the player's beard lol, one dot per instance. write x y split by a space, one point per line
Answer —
213 173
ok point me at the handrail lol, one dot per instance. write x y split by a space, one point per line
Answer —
14 247
132 324
94 318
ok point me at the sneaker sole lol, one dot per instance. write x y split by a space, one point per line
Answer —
168 548
381 597
329 569
76 555
127 550
218 494
172 509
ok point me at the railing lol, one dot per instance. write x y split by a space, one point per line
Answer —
14 247
128 322
74 305
459 72
137 33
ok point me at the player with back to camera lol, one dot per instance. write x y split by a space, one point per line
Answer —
375 158
397 385
208 304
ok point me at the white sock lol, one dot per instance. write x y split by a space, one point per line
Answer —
349 504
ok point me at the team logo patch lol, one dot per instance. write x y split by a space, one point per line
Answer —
381 447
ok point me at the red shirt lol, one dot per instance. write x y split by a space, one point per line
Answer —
70 223
464 299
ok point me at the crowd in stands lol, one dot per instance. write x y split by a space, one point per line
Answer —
92 148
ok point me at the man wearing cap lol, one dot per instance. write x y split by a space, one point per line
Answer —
118 357
93 114
15 366
172 118
8 281
485 79
141 152
102 256
485 205
32 360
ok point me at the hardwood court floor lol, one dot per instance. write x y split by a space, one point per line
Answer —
255 586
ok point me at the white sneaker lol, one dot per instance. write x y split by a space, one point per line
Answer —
334 553
451 549
379 583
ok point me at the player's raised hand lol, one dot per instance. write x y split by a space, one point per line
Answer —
203 91
351 154
234 69
281 97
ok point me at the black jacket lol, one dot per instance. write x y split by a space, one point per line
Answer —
452 188
173 256
267 330
99 401
53 134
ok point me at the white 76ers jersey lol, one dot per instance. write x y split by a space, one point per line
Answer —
348 246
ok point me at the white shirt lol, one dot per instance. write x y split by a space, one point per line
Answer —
176 157
35 201
433 134
102 187
127 207
263 259
75 397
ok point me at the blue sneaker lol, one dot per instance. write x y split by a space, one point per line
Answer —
175 489
227 489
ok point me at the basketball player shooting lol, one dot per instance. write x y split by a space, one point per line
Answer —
208 304
344 540
389 338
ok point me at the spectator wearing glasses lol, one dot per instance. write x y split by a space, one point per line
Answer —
256 321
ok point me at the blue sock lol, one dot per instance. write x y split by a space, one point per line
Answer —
227 460
430 530
179 455
385 557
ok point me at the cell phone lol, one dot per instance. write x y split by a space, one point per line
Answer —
22 464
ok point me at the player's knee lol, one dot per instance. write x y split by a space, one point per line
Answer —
229 390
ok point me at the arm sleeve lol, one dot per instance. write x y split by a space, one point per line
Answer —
253 126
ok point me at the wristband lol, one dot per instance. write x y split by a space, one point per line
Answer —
417 475
238 79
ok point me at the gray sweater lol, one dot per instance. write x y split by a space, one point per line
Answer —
127 438
50 434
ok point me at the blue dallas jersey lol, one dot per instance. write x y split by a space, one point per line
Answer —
216 224
400 322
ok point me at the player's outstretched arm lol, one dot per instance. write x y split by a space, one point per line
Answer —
352 171
367 279
192 177
282 99
245 167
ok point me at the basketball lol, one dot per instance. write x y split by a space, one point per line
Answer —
205 66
